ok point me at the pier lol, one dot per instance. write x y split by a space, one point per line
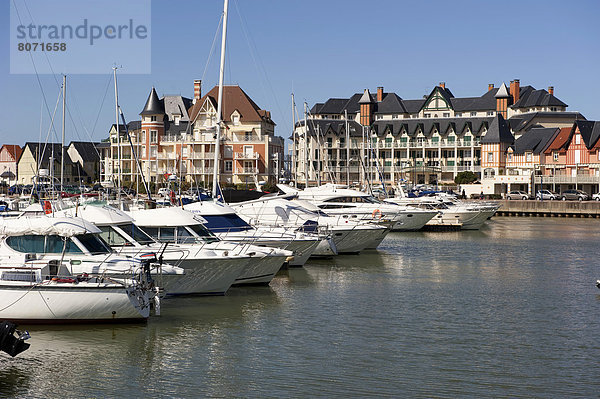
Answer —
549 208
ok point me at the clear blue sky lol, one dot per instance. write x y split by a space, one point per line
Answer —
324 49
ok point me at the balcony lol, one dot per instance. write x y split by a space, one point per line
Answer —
246 171
566 179
247 155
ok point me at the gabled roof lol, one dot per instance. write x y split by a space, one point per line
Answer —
590 132
536 140
86 150
559 141
153 106
530 97
234 98
13 149
335 126
498 132
43 152
429 125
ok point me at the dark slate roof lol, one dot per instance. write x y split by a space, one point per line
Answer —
498 132
131 126
526 121
595 136
530 97
87 150
334 106
177 105
486 102
413 106
316 108
536 140
153 106
171 129
590 132
43 152
429 125
391 104
336 126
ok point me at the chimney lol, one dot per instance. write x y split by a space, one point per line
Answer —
515 90
197 89
551 90
443 85
379 94
490 86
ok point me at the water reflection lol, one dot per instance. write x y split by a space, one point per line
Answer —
508 311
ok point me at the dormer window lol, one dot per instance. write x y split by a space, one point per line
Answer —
528 157
176 119
235 118
153 118
555 156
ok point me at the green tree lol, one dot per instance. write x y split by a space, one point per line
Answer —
466 177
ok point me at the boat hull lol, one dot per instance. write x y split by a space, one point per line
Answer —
79 303
261 271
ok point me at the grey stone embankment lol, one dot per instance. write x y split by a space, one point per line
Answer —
549 208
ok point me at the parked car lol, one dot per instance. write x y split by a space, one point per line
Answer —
547 195
164 192
518 195
574 195
596 197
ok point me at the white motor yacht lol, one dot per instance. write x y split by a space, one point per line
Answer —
226 224
211 266
74 241
37 287
172 224
346 236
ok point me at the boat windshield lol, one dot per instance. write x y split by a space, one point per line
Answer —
113 237
94 244
203 233
136 233
225 223
36 244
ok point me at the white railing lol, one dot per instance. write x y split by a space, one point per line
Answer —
247 155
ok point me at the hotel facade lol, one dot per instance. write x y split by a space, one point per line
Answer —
383 138
176 137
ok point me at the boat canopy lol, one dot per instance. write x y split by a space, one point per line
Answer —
101 215
165 217
43 225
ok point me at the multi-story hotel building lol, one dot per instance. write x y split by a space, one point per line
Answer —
426 140
176 136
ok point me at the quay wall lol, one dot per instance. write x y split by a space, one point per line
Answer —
549 208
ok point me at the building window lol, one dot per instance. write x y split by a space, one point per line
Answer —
395 116
490 113
555 156
378 117
577 139
490 157
458 114
248 136
528 157
153 118
509 156
153 151
446 114
153 136
473 113
228 166
427 115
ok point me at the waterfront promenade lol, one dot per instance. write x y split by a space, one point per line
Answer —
549 208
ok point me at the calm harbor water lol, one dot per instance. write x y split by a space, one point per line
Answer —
508 311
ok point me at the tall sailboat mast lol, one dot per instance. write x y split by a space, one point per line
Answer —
117 128
294 142
220 101
62 160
